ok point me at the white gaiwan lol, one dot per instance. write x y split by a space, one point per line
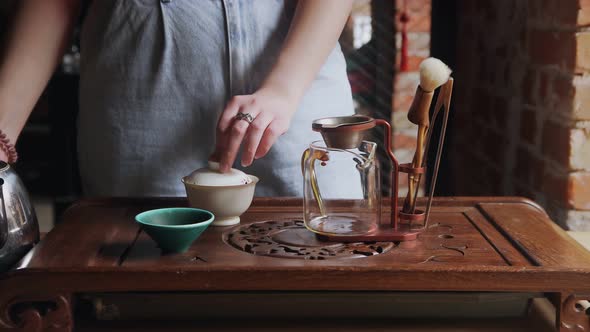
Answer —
212 177
227 195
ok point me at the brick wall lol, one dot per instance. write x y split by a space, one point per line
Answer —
522 104
405 83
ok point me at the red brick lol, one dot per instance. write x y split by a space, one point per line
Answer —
579 191
556 142
502 51
564 13
563 87
535 8
529 87
403 183
555 187
528 126
522 169
401 141
544 93
474 137
414 62
579 149
584 13
419 22
581 98
482 108
481 112
419 12
552 48
553 148
469 180
482 72
406 83
563 94
522 36
402 102
524 191
583 18
489 9
555 12
490 70
500 112
467 8
537 168
494 146
508 72
460 116
493 179
582 52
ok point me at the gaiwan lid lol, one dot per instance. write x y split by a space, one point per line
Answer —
211 176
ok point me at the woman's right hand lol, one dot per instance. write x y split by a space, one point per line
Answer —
271 111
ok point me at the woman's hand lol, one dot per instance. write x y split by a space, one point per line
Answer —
316 26
271 112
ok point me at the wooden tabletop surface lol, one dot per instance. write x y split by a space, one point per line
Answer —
497 244
472 244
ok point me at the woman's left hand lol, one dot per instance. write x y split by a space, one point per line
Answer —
271 112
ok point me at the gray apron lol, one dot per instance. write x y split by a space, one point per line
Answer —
155 76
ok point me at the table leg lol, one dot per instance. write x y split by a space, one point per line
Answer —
571 314
37 313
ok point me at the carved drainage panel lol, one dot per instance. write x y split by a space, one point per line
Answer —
290 239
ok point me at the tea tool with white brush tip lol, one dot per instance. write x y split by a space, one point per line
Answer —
433 74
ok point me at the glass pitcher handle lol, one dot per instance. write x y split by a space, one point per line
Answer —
304 157
312 178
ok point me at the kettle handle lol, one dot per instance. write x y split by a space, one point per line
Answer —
4 217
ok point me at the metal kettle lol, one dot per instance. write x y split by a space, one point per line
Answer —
19 230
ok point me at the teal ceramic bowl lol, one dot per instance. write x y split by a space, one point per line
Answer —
174 229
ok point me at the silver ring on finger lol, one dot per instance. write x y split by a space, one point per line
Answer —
245 116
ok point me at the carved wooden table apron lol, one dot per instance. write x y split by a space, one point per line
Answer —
472 244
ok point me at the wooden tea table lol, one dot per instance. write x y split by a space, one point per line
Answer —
97 267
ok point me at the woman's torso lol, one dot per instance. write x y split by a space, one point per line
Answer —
155 76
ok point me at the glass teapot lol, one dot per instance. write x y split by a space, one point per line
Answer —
342 195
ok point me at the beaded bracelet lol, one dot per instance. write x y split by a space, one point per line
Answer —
8 148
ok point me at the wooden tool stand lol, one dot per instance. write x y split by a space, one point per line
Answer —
470 245
401 224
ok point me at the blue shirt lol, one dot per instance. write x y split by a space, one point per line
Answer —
155 75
